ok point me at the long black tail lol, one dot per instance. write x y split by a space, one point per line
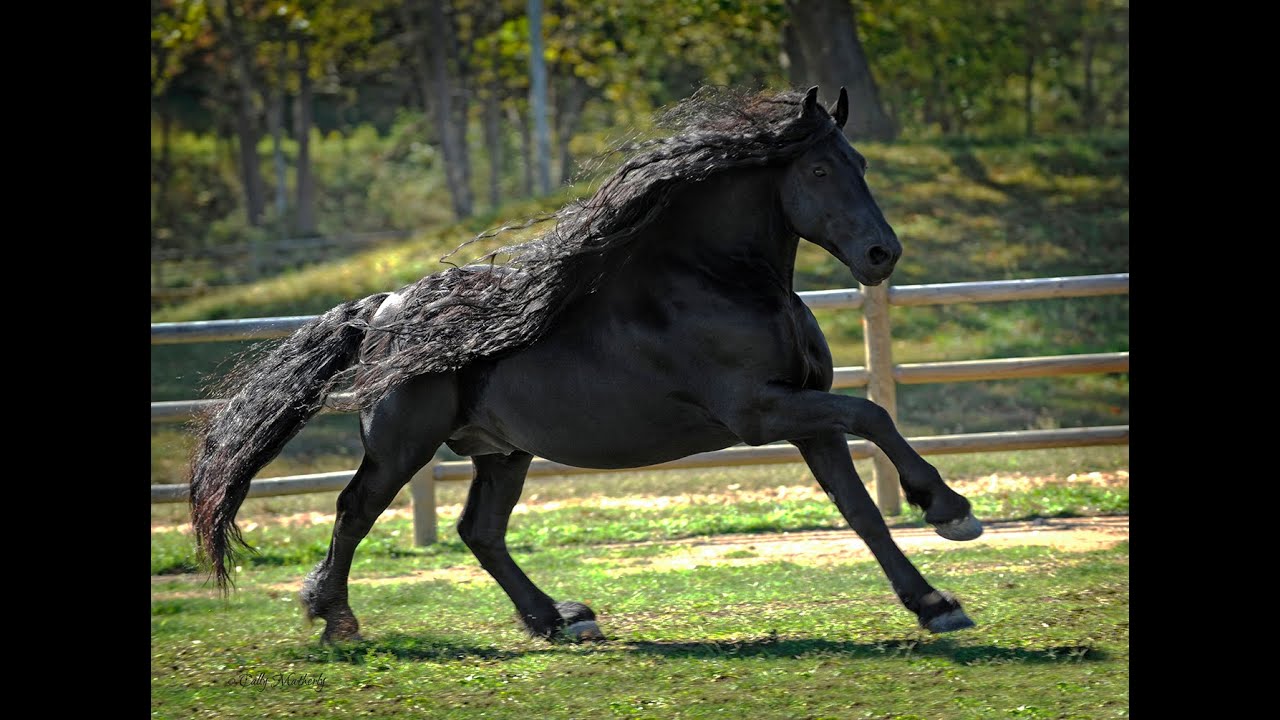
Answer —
273 398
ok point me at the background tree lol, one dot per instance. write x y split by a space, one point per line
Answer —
437 50
823 48
241 46
538 97
378 107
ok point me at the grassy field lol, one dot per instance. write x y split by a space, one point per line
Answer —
598 509
753 637
960 471
774 641
964 212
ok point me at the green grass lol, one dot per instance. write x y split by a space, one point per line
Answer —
710 510
1051 463
774 640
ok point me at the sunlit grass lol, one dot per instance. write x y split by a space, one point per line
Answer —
770 640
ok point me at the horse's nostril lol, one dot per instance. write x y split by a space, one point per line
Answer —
878 255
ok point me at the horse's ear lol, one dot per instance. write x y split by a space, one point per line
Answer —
810 104
840 111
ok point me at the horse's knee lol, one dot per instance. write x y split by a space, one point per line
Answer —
481 542
349 501
870 415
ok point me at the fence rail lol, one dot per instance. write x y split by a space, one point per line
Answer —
879 376
845 299
733 457
854 376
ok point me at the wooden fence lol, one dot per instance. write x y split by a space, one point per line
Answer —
880 376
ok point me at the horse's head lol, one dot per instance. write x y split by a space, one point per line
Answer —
826 199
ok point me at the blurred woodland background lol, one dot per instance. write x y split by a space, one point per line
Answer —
362 120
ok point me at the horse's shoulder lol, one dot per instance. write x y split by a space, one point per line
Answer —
819 366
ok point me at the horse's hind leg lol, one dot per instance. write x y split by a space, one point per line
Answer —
495 490
400 436
828 457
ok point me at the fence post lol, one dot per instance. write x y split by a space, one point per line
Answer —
880 388
423 490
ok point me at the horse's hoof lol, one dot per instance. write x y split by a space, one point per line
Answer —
966 528
950 620
580 622
337 638
584 631
341 630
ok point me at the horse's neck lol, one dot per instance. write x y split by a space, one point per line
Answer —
729 226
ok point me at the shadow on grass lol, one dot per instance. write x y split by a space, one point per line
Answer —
770 647
410 647
913 519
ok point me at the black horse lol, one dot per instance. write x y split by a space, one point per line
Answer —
654 321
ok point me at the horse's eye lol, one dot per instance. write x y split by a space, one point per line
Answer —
820 172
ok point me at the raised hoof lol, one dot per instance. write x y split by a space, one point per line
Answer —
583 631
949 621
966 528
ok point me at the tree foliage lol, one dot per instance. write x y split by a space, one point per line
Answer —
942 68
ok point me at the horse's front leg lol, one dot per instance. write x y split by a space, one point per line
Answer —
781 413
828 457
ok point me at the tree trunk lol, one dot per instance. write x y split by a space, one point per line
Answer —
306 201
433 54
458 71
521 121
164 208
570 99
538 95
493 114
245 119
795 63
1119 104
1029 70
1090 102
493 142
823 43
275 120
941 105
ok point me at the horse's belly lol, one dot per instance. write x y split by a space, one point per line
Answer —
632 451
591 419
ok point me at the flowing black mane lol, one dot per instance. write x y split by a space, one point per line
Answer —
451 318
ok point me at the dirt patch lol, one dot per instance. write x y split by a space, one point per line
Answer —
812 548
728 495
827 547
